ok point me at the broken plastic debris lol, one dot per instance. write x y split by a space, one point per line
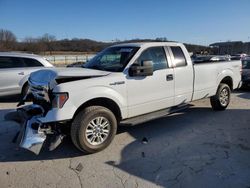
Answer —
56 141
79 167
144 140
143 154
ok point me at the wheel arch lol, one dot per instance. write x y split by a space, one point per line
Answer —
227 80
23 81
102 101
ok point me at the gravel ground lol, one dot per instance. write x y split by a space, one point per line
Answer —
194 148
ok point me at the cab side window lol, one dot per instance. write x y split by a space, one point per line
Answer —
31 62
179 56
156 55
10 62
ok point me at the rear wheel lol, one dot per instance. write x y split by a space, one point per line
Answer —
222 98
93 129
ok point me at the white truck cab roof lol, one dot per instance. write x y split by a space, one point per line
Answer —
150 44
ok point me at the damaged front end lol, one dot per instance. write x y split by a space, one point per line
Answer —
33 132
42 93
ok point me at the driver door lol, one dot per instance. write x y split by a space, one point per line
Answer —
151 93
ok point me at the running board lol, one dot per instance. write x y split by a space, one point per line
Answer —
153 115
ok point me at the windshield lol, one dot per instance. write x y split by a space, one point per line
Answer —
112 59
245 64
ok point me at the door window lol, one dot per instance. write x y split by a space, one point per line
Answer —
10 62
156 55
31 62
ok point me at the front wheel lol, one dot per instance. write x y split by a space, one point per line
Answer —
24 91
93 129
222 98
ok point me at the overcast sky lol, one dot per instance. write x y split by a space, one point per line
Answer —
192 21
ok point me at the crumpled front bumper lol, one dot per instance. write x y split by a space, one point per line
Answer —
32 134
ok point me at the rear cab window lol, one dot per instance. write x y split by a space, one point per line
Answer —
179 57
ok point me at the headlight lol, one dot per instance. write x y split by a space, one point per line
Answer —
59 99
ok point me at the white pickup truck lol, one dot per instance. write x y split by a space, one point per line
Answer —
124 84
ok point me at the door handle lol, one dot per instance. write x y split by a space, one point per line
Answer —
21 73
169 77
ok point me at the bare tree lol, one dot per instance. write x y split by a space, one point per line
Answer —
46 40
7 40
31 44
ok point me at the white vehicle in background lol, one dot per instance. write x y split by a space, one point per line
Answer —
124 84
15 69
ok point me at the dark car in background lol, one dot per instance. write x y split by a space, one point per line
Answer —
238 56
210 58
246 71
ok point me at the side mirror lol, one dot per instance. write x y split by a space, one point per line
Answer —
145 69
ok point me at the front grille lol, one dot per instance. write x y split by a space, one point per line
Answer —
40 95
39 92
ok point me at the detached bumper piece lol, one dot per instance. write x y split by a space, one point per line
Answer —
33 133
32 136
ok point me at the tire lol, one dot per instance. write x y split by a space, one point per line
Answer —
85 127
222 98
25 89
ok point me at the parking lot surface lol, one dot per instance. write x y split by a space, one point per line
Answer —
194 148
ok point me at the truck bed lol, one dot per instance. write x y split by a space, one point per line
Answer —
209 74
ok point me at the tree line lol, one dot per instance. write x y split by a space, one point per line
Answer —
48 44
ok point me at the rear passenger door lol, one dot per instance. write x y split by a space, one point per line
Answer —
11 72
14 71
31 65
184 76
151 93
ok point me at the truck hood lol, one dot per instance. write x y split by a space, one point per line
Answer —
55 76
